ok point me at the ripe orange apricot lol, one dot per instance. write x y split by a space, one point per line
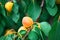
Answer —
9 6
57 1
22 28
27 22
10 31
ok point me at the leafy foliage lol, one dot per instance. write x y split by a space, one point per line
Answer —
44 12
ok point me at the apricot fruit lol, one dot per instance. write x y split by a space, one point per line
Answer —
27 22
10 31
9 6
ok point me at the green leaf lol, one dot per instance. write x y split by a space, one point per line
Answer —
22 32
18 38
12 36
47 1
14 1
56 17
35 29
34 11
32 36
27 2
52 11
55 32
2 10
15 9
44 16
0 18
15 17
9 22
3 22
8 38
24 5
45 27
51 3
2 38
1 29
3 1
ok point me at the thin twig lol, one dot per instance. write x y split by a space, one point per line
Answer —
42 4
26 34
59 18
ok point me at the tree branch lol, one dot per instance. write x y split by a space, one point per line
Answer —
42 4
26 34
